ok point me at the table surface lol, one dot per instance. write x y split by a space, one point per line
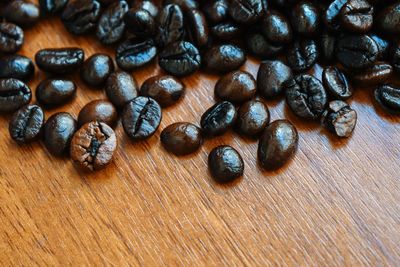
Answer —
337 203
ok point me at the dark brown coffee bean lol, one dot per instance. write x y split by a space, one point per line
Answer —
305 18
55 92
237 87
22 13
165 89
276 28
218 119
16 66
98 110
171 25
378 74
182 138
96 69
13 94
111 25
246 11
253 116
216 11
80 16
225 164
226 31
260 47
11 37
224 58
357 16
332 14
26 124
140 22
336 83
271 76
60 60
198 27
302 55
146 5
135 52
121 88
388 97
340 118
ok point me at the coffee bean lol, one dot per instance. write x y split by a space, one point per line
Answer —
198 27
253 116
96 69
332 14
388 97
98 110
55 92
140 22
59 60
11 37
216 11
340 118
111 25
26 124
58 132
357 16
171 26
146 5
336 83
306 96
225 164
141 117
305 18
260 47
378 74
135 53
218 119
52 6
80 16
388 19
22 13
16 66
13 94
226 31
180 59
271 75
237 87
327 45
383 46
246 11
302 55
182 138
277 145
276 27
224 58
121 88
165 89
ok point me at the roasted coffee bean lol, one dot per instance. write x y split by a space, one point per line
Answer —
388 97
276 28
121 88
22 13
305 18
11 37
383 46
180 59
277 145
26 124
395 56
52 6
93 146
60 60
306 96
226 30
80 16
302 55
332 14
253 116
357 16
339 118
13 94
237 87
357 51
147 5
111 25
336 83
246 11
327 45
388 19
141 117
378 74
55 92
198 27
182 138
16 66
170 25
98 110
225 164
58 132
184 4
271 76
218 119
135 53
96 69
224 58
216 11
165 89
259 46
140 22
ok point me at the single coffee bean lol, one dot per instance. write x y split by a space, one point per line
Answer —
96 69
121 88
184 4
26 124
216 11
226 31
388 97
146 5
98 110
332 14
182 138
22 13
55 92
253 116
260 47
80 16
327 45
302 55
140 22
336 83
388 19
246 11
60 60
111 25
141 117
278 144
58 132
339 118
135 52
383 47
165 89
305 18
224 58
276 27
11 37
306 96
237 87
16 66
357 16
171 25
198 27
225 164
180 59
395 56
52 6
13 94
378 74
271 76
218 119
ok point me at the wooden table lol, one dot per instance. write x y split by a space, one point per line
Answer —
337 203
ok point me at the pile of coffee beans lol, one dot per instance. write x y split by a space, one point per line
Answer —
356 41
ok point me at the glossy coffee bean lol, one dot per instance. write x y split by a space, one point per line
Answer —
171 25
11 37
60 60
302 55
237 87
305 18
388 19
253 116
224 58
278 144
16 66
58 132
306 96
22 13
55 92
339 118
388 97
80 16
226 31
383 47
378 74
140 22
135 52
165 89
225 164
218 119
198 27
111 24
271 76
332 14
180 59
260 47
357 16
96 69
146 5
336 83
52 6
26 124
141 118
327 45
216 11
13 94
182 138
98 110
276 27
121 88
246 11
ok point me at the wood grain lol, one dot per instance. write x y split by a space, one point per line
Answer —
336 204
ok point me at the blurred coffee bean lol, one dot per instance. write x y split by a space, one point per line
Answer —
11 37
16 66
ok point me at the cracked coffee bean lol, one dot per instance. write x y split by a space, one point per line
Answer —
253 116
121 88
237 87
11 37
271 76
182 138
13 94
60 60
171 25
224 58
135 52
218 119
246 11
388 97
225 164
55 92
80 16
336 83
52 6
16 66
302 55
26 124
111 25
22 13
98 110
378 74
357 16
96 69
339 118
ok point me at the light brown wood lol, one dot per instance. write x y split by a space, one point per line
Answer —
337 203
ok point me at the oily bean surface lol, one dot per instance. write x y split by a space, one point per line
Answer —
60 60
225 164
182 138
135 52
80 16
165 89
55 92
111 24
13 94
218 119
22 13
26 124
336 83
271 76
16 66
378 74
96 69
224 58
121 88
236 87
253 116
11 37
388 97
98 110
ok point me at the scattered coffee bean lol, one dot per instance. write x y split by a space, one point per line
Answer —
140 22
13 94
218 119
171 25
16 66
246 11
11 37
271 76
96 69
336 83
55 92
182 138
253 116
302 55
378 74
388 97
135 53
165 89
111 25
98 110
26 124
80 16
383 47
225 164
340 118
224 58
52 6
60 60
22 13
357 16
121 88
58 132
276 28
237 87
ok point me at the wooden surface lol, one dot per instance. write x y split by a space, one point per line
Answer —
336 204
